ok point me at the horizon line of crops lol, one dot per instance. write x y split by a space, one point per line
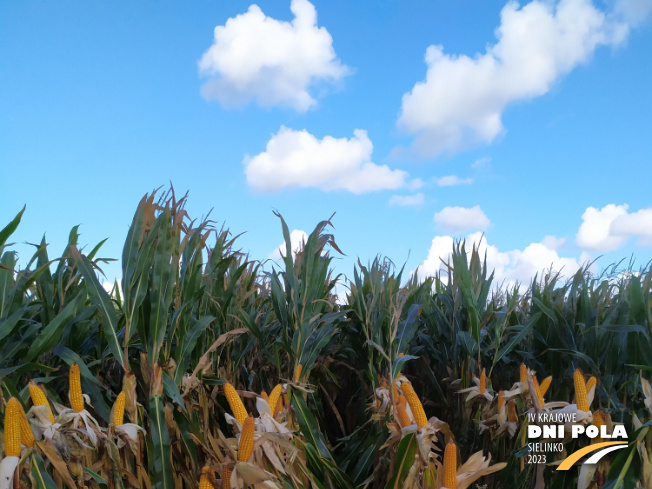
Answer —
194 313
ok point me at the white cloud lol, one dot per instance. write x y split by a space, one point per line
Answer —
298 159
415 200
458 219
273 62
609 228
510 266
452 180
483 163
298 239
462 99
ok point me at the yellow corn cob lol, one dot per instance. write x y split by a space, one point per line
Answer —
297 372
580 391
76 397
26 435
598 420
226 478
537 389
204 479
239 411
395 395
523 374
264 395
12 428
274 396
511 412
591 383
39 399
545 385
501 400
119 409
246 439
483 382
415 405
449 478
403 417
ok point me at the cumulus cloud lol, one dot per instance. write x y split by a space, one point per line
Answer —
458 219
295 159
298 239
609 228
452 180
511 267
462 99
270 61
415 200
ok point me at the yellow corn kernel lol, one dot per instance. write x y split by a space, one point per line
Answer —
204 479
264 395
76 397
598 421
297 372
590 384
274 396
501 400
12 428
226 478
119 409
38 398
537 389
512 417
239 411
483 382
415 405
403 416
449 478
523 374
545 385
580 391
246 439
26 435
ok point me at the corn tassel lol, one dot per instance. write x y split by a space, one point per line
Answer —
246 439
204 479
119 410
297 372
415 405
523 374
545 385
12 428
39 399
26 434
239 411
274 396
76 397
580 391
403 416
483 382
590 384
226 478
449 478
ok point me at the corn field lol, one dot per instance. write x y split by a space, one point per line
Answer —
206 369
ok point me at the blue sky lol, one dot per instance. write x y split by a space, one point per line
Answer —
416 122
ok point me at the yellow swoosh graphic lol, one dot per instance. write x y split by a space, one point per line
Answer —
575 456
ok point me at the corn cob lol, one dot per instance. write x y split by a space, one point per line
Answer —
246 439
76 397
297 372
12 428
395 395
580 391
511 412
26 435
590 384
39 399
537 389
239 411
545 385
598 420
501 400
274 396
483 382
226 478
264 395
403 417
523 374
119 410
449 478
204 480
415 405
